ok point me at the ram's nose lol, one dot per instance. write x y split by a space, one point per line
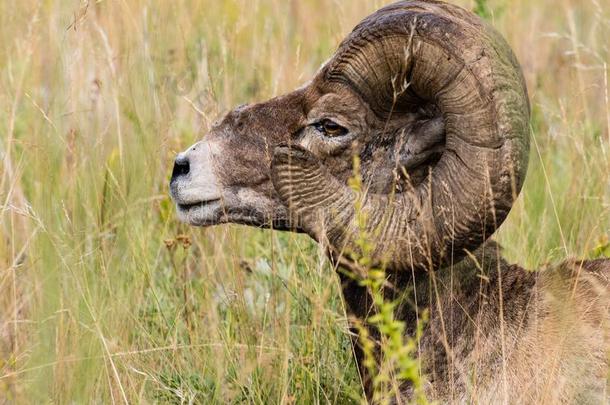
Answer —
182 166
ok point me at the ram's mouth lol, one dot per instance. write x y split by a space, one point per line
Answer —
200 204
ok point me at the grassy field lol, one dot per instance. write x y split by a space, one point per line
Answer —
106 298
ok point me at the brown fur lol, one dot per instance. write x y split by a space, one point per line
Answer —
498 333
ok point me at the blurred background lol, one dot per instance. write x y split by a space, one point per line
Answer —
106 298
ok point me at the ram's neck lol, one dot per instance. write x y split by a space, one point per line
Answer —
476 310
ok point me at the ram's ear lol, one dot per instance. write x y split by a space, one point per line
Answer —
422 143
314 198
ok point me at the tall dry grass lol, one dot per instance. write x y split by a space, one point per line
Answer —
104 297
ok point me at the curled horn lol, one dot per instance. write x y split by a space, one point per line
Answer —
405 56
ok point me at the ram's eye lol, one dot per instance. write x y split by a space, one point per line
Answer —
330 128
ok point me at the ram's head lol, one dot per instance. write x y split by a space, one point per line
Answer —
431 102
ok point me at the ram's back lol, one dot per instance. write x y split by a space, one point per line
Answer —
561 354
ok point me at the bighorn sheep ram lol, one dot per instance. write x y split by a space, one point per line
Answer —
433 103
